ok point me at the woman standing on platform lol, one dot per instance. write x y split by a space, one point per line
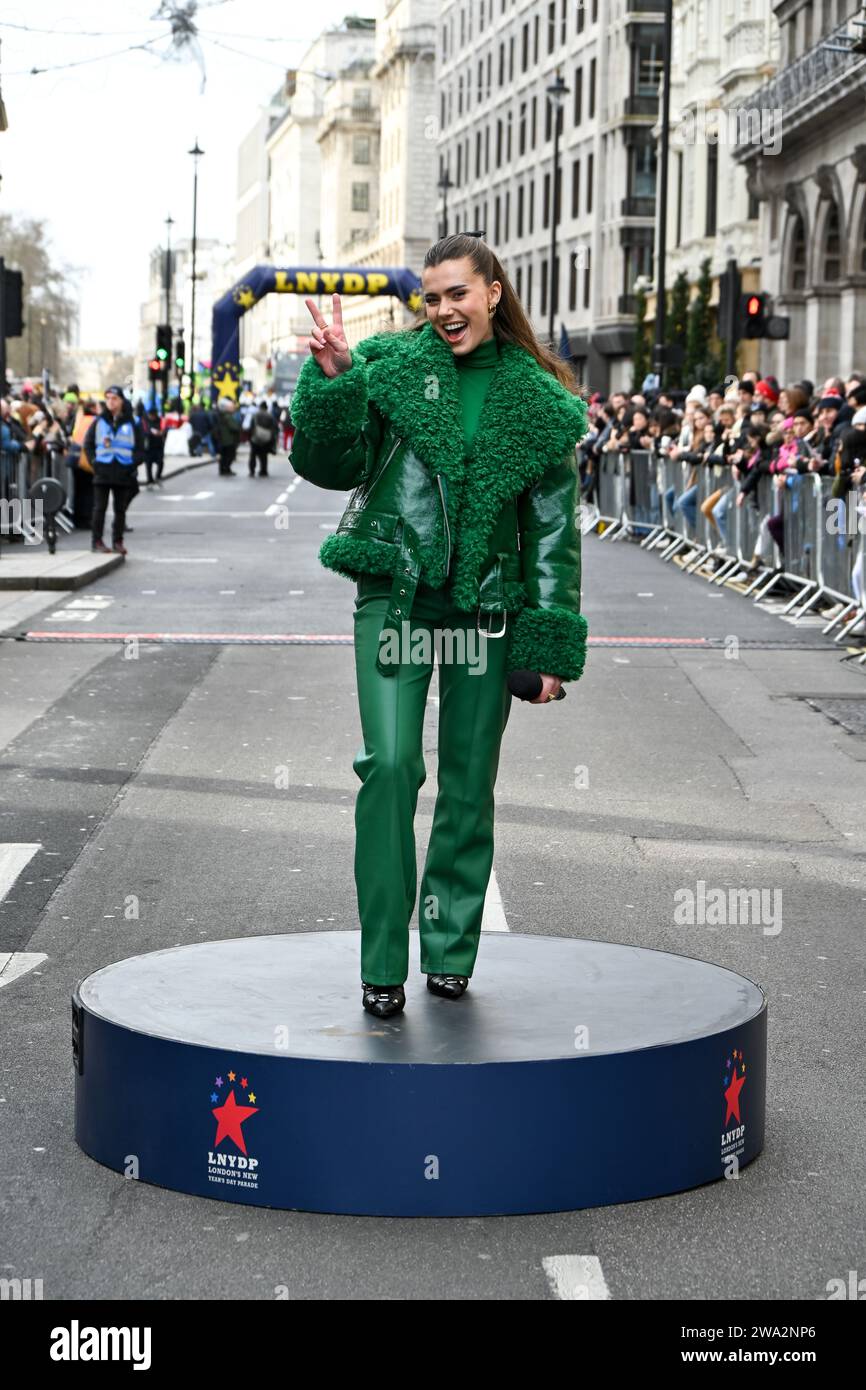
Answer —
458 437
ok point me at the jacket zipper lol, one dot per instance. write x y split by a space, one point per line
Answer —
397 442
447 527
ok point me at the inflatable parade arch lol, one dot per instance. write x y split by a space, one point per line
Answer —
304 280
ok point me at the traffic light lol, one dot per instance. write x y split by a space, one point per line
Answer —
163 342
154 368
753 315
13 304
180 354
756 321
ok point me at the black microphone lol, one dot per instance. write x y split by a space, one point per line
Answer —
527 685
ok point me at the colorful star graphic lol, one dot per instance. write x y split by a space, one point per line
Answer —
732 1096
231 1076
227 384
252 1098
218 1081
230 1116
214 1097
244 296
244 1083
414 301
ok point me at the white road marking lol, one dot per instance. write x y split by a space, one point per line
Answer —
494 913
79 615
94 601
182 559
646 595
14 964
182 496
575 1277
295 591
13 859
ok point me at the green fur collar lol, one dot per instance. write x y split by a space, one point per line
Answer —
528 422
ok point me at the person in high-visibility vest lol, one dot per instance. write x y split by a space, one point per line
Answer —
114 445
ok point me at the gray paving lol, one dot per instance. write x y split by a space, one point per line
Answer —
154 775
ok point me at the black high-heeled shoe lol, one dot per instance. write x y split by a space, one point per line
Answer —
383 1000
448 986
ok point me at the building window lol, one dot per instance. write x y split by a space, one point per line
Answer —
507 212
508 125
518 281
642 170
489 62
360 149
498 144
563 22
360 197
548 123
444 42
529 288
462 28
545 203
586 287
521 130
361 99
754 208
589 171
679 233
442 109
831 257
551 26
478 154
487 149
797 273
459 165
572 280
480 80
581 12
592 66
524 48
594 18
535 39
520 209
554 284
460 96
578 91
534 114
511 58
531 204
502 65
543 305
648 62
496 219
575 190
712 189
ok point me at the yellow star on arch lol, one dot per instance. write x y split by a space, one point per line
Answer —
244 297
414 301
227 385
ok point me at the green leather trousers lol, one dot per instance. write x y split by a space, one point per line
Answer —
474 705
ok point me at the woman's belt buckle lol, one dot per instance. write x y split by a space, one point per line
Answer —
486 631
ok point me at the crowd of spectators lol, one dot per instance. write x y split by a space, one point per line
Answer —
746 430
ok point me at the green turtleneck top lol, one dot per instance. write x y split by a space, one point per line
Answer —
474 373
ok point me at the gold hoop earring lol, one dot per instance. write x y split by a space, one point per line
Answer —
491 310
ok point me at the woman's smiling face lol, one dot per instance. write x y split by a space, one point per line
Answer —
455 294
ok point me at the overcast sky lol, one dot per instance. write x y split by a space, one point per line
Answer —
100 150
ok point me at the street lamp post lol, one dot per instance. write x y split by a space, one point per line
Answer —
556 94
196 156
659 352
169 223
443 185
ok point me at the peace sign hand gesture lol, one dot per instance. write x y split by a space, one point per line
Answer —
328 345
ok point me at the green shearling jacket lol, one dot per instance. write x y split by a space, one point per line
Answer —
501 523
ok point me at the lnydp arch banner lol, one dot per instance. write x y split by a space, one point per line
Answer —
312 280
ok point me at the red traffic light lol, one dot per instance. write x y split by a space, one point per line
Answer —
753 305
155 365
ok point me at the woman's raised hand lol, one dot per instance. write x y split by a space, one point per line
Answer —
328 345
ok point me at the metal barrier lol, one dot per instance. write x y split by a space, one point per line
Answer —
611 492
637 490
19 475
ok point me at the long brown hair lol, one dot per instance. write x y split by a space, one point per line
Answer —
510 324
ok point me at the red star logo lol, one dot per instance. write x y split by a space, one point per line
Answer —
732 1096
230 1116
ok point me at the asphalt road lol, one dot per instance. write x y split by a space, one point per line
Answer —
149 770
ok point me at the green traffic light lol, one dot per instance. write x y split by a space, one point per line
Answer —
161 354
178 362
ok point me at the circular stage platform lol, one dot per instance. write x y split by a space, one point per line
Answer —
571 1074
